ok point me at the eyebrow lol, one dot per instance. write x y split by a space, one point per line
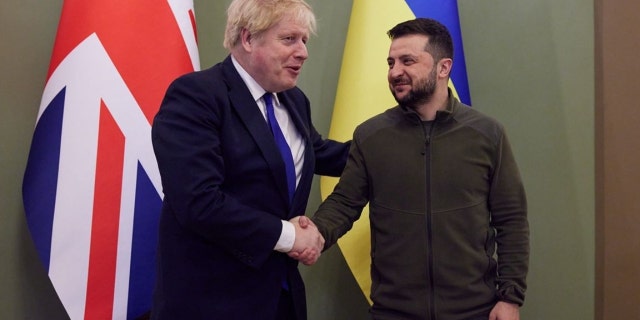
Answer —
404 56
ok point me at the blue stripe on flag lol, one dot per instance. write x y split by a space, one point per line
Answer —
446 11
143 247
41 176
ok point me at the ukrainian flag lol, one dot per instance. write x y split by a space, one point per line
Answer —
363 92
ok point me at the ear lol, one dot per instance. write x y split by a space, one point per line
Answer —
444 67
245 39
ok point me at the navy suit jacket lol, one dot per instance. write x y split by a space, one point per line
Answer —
225 192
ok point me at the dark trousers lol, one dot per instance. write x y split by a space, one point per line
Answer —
285 307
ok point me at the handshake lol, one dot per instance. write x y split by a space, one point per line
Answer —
309 243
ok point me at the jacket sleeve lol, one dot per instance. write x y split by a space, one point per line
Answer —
508 206
331 155
343 207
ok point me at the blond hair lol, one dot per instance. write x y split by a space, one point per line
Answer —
257 16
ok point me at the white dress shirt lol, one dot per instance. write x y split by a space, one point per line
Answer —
292 136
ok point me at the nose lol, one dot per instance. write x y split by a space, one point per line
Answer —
301 51
395 71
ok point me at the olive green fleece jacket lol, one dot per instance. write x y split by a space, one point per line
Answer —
441 201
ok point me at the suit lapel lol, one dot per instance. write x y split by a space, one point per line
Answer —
256 125
309 161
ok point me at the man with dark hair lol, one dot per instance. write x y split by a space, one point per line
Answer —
444 193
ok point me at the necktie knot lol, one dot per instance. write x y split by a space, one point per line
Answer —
268 99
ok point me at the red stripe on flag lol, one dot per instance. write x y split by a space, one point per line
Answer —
141 37
106 218
192 17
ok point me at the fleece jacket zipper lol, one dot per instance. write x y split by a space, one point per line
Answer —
427 155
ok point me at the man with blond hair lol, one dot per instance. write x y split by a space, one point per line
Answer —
237 153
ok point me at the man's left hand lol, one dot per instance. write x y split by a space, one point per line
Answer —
505 311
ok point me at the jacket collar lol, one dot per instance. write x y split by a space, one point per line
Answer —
452 106
441 115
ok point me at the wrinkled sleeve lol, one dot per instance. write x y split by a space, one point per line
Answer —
343 207
508 206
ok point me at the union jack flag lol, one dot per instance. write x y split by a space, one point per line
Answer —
91 190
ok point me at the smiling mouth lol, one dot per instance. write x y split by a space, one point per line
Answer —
400 86
294 69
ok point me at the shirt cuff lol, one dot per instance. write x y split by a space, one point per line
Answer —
287 237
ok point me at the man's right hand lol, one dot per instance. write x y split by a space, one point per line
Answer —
309 242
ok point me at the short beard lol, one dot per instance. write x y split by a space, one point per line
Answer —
421 93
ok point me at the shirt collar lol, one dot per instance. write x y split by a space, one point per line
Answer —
256 90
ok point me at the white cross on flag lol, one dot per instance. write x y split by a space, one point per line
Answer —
91 190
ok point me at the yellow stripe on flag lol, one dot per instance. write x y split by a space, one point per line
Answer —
363 92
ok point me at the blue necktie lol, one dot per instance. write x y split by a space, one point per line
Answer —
285 151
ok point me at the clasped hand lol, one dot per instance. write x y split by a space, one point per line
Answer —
308 243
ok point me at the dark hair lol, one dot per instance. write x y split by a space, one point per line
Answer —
439 45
